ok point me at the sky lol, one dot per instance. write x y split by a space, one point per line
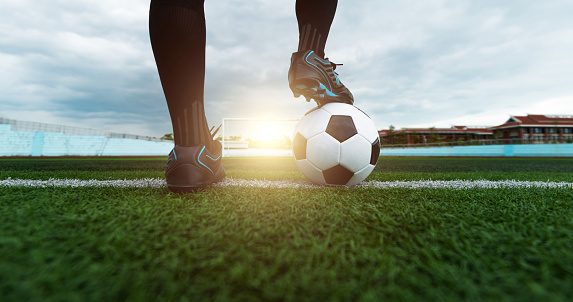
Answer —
432 63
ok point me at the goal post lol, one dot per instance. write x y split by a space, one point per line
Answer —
257 136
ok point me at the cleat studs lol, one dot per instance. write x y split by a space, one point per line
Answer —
300 86
296 95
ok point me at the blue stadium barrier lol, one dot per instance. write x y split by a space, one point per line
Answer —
45 143
525 150
39 143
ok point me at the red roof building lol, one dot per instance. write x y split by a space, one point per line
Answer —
532 128
537 128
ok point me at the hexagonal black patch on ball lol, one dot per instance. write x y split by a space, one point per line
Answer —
337 175
299 147
341 127
375 152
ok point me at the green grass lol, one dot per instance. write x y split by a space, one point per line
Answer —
281 168
285 244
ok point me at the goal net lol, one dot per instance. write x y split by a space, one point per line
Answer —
257 137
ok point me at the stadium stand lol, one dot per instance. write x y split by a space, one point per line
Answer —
19 138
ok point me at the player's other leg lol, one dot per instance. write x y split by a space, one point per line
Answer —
310 73
177 33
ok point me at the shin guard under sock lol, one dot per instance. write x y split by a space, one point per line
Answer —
177 33
314 20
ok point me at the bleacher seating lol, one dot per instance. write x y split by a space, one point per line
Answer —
43 143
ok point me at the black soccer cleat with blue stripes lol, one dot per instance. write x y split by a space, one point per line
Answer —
193 168
313 77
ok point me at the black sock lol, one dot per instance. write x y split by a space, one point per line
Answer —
177 33
314 19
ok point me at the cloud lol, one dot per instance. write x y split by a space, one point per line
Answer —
408 63
443 59
77 60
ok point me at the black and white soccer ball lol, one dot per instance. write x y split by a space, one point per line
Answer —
336 144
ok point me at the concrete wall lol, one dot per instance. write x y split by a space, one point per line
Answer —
31 143
528 150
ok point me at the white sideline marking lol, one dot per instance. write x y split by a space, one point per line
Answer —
231 182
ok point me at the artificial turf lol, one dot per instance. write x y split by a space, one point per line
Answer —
286 244
284 168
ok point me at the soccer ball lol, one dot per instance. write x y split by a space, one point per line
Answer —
336 144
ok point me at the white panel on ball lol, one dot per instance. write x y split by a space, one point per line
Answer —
313 123
339 109
360 175
355 153
323 151
365 126
310 171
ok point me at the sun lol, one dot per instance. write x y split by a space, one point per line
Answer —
270 130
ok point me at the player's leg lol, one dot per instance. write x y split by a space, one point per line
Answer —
311 74
314 19
177 33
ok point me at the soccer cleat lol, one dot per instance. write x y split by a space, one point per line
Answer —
193 168
314 78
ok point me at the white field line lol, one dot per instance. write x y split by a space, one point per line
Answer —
233 182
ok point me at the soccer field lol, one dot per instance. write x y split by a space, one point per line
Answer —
80 229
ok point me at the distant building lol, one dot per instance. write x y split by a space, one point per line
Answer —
536 128
412 136
533 128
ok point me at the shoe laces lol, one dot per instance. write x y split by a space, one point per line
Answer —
334 64
213 133
335 79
